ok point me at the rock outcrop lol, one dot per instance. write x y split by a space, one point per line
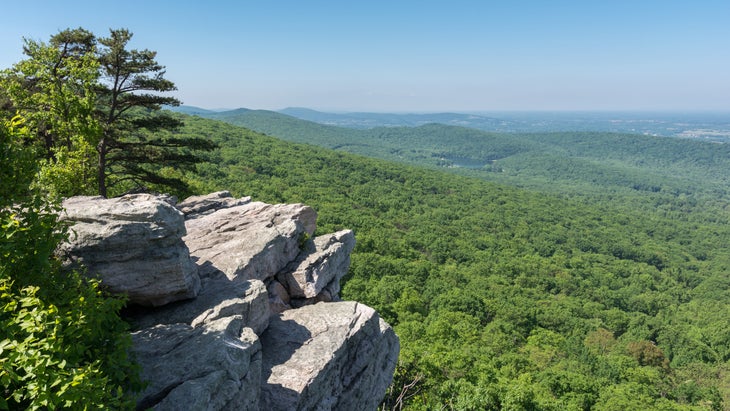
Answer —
221 332
134 244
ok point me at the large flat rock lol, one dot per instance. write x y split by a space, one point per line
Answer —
327 356
250 241
133 244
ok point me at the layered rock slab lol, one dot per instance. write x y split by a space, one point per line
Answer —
250 241
218 298
327 356
322 264
213 367
196 206
133 243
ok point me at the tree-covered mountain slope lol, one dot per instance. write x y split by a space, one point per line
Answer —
567 163
713 126
508 298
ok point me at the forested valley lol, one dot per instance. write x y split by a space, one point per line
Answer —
558 271
513 298
573 163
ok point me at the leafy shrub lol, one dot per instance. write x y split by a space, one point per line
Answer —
66 354
62 342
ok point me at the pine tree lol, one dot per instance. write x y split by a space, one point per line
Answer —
96 109
138 139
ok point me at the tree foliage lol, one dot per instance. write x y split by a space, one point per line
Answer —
137 139
62 342
95 106
55 92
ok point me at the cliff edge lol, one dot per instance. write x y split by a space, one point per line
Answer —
235 305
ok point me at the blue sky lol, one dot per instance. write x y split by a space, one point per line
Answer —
415 56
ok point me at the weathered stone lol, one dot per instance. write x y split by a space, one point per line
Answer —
204 353
195 206
218 298
214 367
327 356
254 240
134 244
324 263
278 297
252 305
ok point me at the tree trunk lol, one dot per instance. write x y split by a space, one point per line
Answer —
101 176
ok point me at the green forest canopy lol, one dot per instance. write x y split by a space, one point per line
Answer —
507 298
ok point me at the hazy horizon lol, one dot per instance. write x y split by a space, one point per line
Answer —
720 112
461 56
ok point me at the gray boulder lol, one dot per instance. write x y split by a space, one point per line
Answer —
133 243
250 241
213 367
327 356
320 266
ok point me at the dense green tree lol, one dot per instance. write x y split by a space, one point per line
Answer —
138 142
95 106
54 89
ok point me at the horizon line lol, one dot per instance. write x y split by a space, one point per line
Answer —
471 111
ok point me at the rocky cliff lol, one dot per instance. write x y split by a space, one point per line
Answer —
235 305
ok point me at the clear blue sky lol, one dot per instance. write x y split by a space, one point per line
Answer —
415 55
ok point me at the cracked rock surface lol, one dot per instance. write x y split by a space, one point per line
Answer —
250 241
320 265
327 356
217 366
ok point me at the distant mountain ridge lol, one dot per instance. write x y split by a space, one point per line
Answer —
711 126
194 111
370 120
565 162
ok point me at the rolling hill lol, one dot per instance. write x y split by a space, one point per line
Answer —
711 126
372 120
575 163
